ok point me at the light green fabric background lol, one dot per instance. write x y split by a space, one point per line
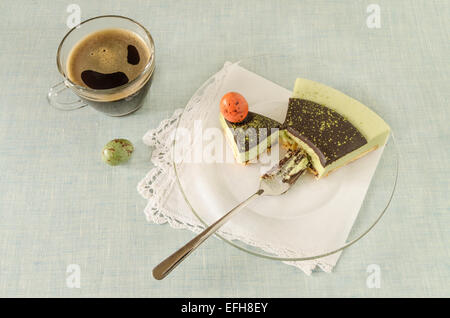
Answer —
60 205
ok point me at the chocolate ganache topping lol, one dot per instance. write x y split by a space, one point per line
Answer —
252 130
328 133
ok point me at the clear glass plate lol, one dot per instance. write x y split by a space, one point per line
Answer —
213 188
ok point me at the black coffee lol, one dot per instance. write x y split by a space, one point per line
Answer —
107 59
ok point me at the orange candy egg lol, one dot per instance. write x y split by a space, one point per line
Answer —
234 107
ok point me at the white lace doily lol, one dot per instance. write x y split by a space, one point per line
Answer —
159 187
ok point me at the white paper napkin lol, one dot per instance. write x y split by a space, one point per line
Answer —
315 235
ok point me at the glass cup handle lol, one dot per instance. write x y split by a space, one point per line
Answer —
54 94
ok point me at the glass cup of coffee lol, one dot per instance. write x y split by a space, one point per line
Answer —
108 62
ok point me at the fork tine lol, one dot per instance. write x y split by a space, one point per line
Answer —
280 177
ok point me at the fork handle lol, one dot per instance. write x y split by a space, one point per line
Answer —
167 265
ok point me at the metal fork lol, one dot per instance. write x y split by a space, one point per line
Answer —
275 182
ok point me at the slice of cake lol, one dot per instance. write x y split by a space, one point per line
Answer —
290 167
251 137
332 128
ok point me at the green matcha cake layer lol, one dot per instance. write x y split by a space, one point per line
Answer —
251 137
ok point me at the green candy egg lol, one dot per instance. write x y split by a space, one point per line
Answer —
117 151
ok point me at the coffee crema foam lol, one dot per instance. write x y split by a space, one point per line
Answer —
107 59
